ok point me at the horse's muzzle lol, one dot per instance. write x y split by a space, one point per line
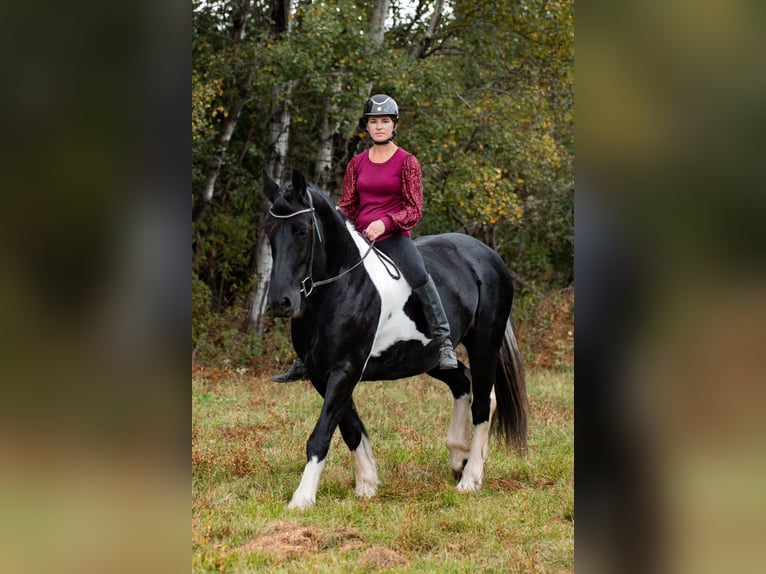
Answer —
284 307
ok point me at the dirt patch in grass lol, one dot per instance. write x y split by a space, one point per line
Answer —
381 558
504 484
288 539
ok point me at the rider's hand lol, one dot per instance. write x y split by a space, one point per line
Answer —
375 230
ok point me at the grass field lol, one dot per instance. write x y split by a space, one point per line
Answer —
248 453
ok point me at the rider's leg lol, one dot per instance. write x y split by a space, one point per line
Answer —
437 320
406 255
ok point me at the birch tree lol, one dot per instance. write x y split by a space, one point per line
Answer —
240 14
276 157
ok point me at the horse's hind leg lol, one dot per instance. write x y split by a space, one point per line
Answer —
482 409
459 432
355 437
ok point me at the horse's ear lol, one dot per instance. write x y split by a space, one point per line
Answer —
299 184
270 188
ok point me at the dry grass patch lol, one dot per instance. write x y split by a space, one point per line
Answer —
381 558
289 539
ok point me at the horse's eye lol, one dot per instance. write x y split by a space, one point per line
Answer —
302 232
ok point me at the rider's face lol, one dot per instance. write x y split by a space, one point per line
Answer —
380 128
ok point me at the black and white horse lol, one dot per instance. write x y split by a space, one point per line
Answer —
354 319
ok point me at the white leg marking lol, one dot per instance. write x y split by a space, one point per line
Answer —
306 494
365 469
473 473
459 433
492 406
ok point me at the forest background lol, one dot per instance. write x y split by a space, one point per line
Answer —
486 98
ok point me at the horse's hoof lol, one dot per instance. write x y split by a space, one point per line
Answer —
300 503
365 490
468 485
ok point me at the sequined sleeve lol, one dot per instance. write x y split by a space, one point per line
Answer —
349 198
412 196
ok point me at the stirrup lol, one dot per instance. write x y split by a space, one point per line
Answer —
447 357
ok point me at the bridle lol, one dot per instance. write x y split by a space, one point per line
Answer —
308 284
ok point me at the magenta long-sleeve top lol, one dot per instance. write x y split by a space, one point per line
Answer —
391 191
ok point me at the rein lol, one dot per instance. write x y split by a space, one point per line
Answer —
308 284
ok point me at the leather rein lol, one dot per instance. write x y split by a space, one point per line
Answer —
308 284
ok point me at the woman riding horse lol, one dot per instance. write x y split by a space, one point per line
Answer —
383 197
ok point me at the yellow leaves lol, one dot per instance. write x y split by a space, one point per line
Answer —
203 94
486 197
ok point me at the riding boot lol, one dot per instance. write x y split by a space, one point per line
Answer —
437 321
296 372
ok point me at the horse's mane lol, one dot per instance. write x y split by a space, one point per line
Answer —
320 197
288 201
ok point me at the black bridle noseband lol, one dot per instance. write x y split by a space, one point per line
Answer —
308 284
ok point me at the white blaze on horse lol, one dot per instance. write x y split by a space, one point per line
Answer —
354 319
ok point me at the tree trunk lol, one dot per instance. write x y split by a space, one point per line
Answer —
377 22
323 166
239 19
279 131
257 301
419 51
227 130
377 30
276 159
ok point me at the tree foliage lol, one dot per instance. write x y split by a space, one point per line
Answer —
486 104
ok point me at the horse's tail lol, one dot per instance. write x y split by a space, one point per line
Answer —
511 392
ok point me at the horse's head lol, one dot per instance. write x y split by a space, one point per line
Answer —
290 229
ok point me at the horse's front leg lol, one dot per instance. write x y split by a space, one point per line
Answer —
365 468
337 399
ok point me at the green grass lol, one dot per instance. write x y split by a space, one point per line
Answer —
248 453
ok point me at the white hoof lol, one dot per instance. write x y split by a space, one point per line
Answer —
468 485
301 502
366 489
471 480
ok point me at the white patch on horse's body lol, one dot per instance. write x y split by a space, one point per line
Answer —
365 469
394 325
306 494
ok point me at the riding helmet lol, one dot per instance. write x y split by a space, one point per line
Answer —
381 105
